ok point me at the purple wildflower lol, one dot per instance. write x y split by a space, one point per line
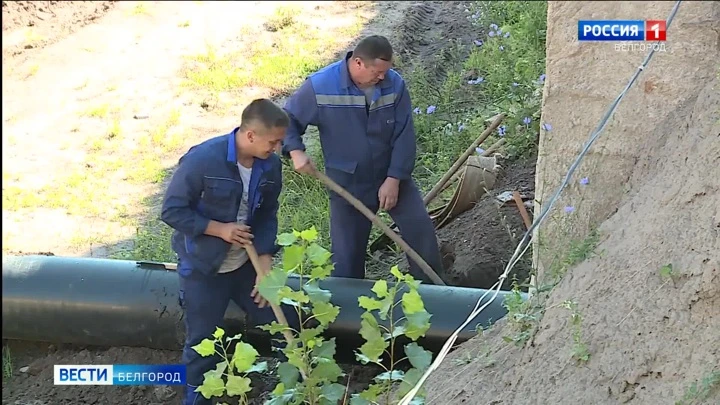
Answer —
476 81
491 33
515 84
569 209
479 150
431 109
527 120
507 35
493 26
502 48
478 42
541 79
417 110
501 130
461 127
584 181
547 127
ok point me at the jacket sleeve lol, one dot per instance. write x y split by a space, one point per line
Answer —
182 195
402 160
265 221
302 109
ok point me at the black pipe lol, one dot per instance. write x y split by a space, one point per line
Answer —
105 302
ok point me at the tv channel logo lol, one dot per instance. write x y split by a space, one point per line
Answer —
622 30
120 374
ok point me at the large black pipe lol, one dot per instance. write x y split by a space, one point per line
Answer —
105 302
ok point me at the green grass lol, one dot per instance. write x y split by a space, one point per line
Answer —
279 62
7 363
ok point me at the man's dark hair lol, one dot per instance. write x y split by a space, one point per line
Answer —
373 47
266 112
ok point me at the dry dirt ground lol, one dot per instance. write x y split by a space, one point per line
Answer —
89 87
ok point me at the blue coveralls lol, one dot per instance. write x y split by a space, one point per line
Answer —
207 185
362 146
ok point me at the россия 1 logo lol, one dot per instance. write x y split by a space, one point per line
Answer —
628 35
621 30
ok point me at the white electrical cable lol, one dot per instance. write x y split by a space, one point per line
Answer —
519 251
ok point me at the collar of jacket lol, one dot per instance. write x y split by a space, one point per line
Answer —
259 167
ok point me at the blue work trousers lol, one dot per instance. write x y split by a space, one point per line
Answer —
350 232
204 300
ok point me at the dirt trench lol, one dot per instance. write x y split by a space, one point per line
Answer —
419 30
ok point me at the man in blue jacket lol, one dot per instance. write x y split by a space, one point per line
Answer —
363 111
224 195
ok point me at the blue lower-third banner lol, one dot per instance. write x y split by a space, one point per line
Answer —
120 374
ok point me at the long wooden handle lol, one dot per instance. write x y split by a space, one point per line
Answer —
279 314
461 160
375 220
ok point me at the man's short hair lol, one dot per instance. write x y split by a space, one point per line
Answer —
373 47
265 112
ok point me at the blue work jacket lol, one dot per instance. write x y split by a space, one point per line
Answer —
361 145
207 185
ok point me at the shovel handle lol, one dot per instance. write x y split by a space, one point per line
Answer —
375 220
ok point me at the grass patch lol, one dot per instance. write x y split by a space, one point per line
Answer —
283 17
278 60
701 390
7 363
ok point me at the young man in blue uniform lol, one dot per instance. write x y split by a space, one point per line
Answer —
224 195
363 111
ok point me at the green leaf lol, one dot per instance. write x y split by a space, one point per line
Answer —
394 375
412 302
288 375
297 296
236 337
395 271
333 392
308 334
418 357
380 288
286 239
293 257
417 324
244 357
212 386
374 345
295 357
269 287
317 294
409 381
373 392
358 400
219 333
397 330
310 234
368 303
325 312
237 386
258 368
321 272
666 271
326 370
205 348
274 327
317 254
325 349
